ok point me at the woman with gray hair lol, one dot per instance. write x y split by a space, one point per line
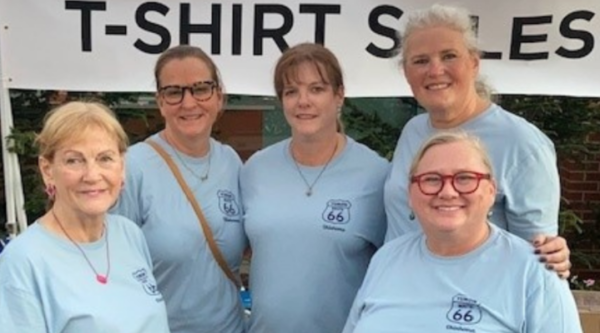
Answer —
441 62
463 273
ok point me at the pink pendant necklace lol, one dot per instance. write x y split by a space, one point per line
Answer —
103 279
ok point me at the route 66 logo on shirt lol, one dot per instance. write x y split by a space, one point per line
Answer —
227 203
337 211
464 311
142 276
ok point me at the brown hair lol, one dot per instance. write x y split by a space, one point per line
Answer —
186 51
72 120
325 62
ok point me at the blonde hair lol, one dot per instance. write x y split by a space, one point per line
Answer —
454 18
72 120
446 137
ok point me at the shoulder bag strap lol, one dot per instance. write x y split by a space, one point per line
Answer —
203 223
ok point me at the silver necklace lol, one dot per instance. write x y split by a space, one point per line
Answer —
180 159
309 187
203 177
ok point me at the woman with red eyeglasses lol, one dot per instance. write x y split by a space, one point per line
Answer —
462 273
440 59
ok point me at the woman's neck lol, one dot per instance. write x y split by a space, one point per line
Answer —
196 147
80 228
449 119
452 244
317 152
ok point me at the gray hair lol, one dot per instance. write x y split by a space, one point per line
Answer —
454 18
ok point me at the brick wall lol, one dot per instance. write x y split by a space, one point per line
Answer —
580 182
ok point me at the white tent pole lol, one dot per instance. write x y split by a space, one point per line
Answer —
13 187
7 164
19 194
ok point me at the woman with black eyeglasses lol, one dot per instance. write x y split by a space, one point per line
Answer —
462 273
199 295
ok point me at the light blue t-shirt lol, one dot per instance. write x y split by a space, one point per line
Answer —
199 296
499 287
310 253
46 286
524 164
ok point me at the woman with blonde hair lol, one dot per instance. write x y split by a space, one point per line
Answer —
463 273
441 62
78 269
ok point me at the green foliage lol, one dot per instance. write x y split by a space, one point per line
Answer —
580 237
566 120
569 222
377 123
22 142
23 145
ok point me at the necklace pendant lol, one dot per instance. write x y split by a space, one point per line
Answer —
101 278
204 178
309 186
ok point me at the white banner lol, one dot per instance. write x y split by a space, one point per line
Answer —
533 46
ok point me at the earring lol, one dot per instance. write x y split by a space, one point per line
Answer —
490 213
339 109
50 191
411 216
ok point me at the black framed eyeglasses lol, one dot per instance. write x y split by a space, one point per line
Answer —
464 182
201 91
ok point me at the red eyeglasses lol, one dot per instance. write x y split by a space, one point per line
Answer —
464 182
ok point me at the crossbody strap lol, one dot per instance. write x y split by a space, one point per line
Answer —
203 223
